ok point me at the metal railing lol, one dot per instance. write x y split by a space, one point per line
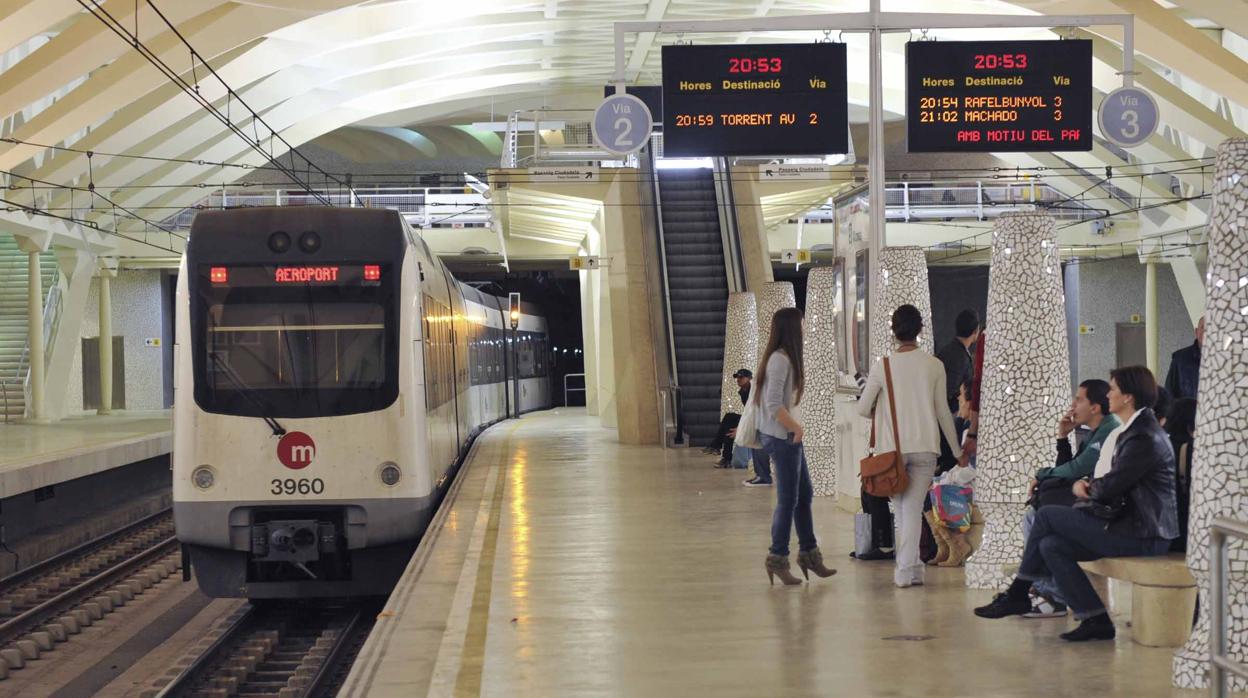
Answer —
919 201
425 207
1221 666
527 139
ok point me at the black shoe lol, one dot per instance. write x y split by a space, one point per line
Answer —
1094 628
1002 605
874 554
724 463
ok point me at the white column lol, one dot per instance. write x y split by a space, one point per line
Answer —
740 347
773 296
1219 478
1152 320
822 371
1025 386
903 280
106 346
34 325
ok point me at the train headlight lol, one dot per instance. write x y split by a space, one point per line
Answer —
390 474
203 477
310 242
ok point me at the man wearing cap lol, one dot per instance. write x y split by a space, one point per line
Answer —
728 425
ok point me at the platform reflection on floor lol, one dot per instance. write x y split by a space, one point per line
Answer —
572 565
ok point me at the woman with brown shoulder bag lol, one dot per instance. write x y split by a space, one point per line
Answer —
905 394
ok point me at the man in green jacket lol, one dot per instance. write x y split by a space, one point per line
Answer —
1089 410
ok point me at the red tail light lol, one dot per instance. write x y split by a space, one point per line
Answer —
219 275
372 272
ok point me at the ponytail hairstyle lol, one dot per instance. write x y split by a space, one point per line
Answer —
786 336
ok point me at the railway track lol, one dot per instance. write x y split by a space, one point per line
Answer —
283 649
48 603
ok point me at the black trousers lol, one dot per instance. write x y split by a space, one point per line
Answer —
881 520
722 441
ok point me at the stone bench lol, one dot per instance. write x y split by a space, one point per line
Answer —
1163 595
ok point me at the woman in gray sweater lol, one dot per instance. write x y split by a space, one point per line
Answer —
780 381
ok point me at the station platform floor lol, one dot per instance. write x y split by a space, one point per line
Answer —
569 564
37 455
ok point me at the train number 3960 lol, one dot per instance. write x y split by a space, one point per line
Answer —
303 485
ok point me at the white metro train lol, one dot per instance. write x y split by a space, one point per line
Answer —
330 374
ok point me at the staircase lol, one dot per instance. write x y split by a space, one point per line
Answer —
14 364
698 287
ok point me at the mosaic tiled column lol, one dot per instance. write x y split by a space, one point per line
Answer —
1219 475
903 280
1026 384
773 296
740 347
819 397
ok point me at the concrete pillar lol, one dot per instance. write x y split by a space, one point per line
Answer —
1219 478
34 328
106 345
1026 384
627 286
903 280
773 296
1152 320
822 375
740 347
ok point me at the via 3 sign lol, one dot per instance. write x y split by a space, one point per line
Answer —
1127 116
622 124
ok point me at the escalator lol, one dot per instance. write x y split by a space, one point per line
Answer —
697 285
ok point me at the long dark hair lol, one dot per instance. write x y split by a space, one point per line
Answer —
786 336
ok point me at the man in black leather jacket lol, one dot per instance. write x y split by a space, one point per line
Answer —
1127 509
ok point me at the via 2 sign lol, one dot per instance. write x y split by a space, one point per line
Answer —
622 124
296 450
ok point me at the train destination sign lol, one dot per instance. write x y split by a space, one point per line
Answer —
998 96
780 99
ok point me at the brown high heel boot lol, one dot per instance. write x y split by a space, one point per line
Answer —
812 561
959 549
778 566
939 532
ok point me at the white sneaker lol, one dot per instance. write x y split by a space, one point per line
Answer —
1044 607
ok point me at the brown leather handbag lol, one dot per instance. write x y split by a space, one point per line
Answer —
884 474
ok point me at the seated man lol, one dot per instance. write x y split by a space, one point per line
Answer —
1127 509
1088 410
728 425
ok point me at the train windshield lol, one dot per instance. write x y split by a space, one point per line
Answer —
290 346
296 351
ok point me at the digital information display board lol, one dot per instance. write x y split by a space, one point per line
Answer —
973 96
779 99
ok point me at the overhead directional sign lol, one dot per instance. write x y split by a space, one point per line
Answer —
622 124
768 173
781 99
584 263
998 96
1127 116
562 174
795 256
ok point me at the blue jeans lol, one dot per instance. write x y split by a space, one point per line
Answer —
1046 587
762 463
794 494
1061 538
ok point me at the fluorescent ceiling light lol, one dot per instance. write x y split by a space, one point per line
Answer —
683 163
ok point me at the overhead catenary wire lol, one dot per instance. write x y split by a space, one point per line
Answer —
11 206
96 10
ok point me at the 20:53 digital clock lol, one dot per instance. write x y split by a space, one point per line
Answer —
755 65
